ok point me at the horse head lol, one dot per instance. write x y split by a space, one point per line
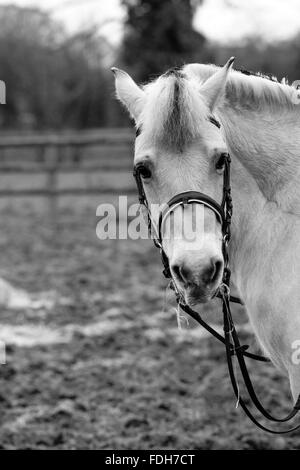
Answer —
180 147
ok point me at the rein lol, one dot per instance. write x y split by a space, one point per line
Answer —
233 347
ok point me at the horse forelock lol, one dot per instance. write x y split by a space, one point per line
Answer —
174 110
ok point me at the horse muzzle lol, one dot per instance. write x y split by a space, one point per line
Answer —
198 281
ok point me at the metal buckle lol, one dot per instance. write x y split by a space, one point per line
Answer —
224 290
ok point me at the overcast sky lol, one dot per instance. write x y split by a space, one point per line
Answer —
220 20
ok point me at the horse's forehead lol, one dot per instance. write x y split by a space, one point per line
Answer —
174 111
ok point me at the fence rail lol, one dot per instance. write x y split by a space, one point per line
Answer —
55 154
98 136
75 164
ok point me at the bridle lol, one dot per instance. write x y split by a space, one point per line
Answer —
233 347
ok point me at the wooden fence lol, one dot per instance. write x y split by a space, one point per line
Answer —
33 165
62 153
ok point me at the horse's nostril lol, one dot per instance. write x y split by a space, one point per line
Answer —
211 272
218 269
207 275
176 270
182 273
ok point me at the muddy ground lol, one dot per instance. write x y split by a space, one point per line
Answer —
116 372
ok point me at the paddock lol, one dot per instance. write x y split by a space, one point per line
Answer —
101 363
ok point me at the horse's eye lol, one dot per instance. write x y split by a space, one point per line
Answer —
144 171
220 164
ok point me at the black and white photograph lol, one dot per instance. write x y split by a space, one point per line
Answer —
150 227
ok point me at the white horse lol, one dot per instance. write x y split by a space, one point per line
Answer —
179 146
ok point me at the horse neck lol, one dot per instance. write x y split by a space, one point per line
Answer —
267 143
264 186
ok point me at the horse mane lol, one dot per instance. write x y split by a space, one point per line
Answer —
175 110
251 90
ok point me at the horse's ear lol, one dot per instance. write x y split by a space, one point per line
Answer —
214 87
128 92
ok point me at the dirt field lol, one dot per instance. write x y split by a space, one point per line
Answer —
106 366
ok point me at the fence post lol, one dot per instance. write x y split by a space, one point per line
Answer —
51 158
